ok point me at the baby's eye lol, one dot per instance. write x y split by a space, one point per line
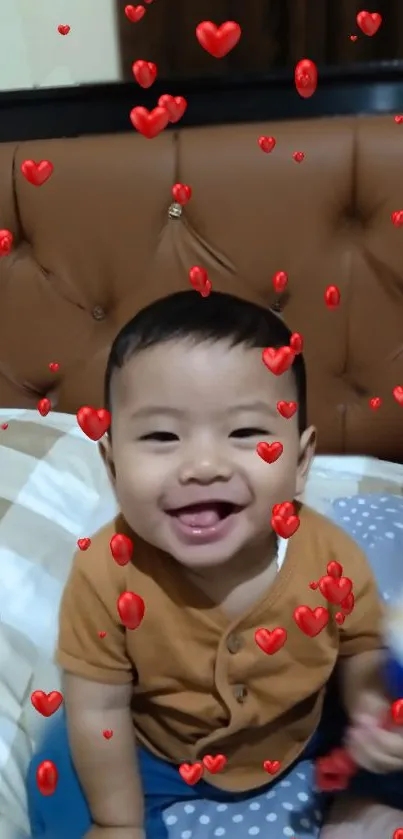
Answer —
250 432
161 436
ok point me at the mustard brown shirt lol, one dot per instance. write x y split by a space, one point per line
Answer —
201 685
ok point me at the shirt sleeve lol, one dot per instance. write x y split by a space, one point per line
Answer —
362 629
92 642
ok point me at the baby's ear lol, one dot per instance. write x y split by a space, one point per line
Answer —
105 450
307 449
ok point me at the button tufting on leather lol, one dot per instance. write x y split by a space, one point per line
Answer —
175 210
98 313
354 217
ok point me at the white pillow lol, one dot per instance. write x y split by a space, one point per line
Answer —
338 476
53 491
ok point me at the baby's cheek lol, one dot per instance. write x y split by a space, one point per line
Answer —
276 482
141 479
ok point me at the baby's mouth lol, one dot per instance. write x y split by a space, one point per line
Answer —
205 513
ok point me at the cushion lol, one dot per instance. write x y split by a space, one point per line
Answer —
376 523
51 484
332 477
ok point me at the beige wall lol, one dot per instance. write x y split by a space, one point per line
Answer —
33 54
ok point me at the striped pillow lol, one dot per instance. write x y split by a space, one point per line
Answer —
53 491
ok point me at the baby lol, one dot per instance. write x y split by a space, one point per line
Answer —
222 691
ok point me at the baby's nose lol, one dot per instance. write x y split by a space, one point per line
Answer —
206 465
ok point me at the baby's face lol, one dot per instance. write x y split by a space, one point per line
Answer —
186 421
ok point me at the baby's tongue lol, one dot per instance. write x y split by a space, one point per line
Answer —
200 515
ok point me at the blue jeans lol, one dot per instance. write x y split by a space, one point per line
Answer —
65 814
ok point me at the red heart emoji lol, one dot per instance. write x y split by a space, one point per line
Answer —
397 218
174 105
353 37
199 280
267 144
278 360
332 297
398 119
107 733
287 409
54 366
4 426
6 242
369 22
269 452
398 394
375 403
44 406
333 772
280 281
102 634
84 543
181 193
131 609
145 73
214 763
135 13
311 622
285 527
334 569
348 604
121 549
306 78
398 834
335 589
271 766
298 156
218 40
37 173
313 585
397 712
63 29
191 772
297 342
339 618
149 123
285 509
47 777
271 642
93 423
46 703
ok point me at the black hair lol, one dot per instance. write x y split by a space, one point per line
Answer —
186 315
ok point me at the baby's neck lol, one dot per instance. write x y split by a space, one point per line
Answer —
239 586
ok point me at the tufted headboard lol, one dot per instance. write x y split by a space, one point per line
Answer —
95 243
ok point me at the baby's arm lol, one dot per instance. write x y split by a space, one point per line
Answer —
106 769
360 674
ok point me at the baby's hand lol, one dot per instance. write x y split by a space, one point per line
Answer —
374 745
115 833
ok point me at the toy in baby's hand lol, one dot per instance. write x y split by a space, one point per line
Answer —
334 771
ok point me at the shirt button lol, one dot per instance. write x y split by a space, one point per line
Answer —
234 643
240 693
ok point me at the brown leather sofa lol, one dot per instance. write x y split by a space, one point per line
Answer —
96 242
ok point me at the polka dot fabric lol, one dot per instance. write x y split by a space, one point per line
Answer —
375 522
290 808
